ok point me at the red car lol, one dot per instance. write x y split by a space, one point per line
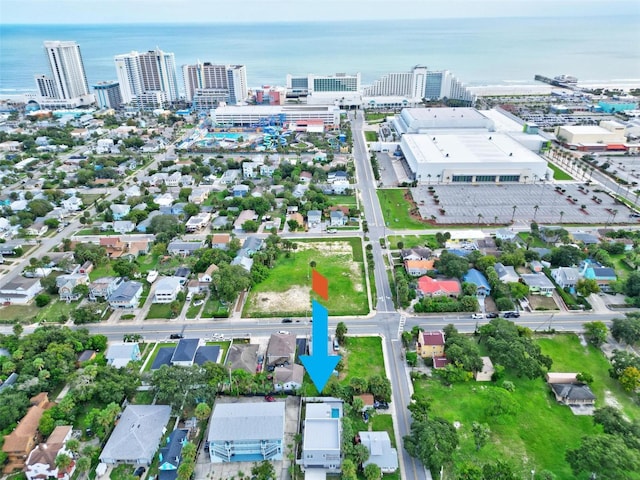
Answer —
269 398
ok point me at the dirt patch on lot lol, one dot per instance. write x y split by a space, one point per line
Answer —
296 299
541 303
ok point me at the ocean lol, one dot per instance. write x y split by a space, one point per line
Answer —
479 51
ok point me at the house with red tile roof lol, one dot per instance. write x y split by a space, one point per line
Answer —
433 287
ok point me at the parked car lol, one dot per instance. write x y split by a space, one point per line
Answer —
284 332
197 303
477 315
139 472
269 398
491 315
380 405
365 416
176 336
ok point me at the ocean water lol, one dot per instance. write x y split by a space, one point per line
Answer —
479 51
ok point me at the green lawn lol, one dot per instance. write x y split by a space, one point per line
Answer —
148 263
346 200
375 117
18 313
143 397
395 209
122 472
89 198
362 357
193 310
559 174
411 241
535 241
53 311
284 292
213 308
539 433
371 136
162 310
102 271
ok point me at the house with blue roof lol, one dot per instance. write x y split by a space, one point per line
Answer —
479 280
603 276
170 455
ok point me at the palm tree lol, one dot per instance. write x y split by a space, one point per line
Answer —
495 219
479 217
63 462
312 265
428 179
535 211
561 215
614 213
515 207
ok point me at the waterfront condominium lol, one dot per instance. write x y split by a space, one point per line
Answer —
108 94
207 84
147 79
308 84
443 84
68 81
406 84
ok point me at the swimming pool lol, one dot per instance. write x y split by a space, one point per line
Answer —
224 136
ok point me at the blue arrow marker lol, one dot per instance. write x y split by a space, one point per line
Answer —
320 364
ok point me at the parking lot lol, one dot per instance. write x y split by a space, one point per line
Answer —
567 203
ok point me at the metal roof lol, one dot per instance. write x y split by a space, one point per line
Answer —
247 421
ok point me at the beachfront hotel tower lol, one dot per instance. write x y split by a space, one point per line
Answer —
207 84
147 79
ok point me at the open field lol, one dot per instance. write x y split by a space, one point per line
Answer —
538 434
18 313
287 290
535 241
411 241
162 310
395 209
56 310
346 200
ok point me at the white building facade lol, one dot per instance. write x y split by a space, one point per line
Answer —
152 72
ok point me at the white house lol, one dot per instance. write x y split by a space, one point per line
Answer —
167 290
72 204
20 290
288 379
41 462
120 354
123 226
380 451
566 277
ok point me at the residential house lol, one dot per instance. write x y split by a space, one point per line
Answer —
339 175
220 241
244 262
299 190
314 217
585 238
243 217
250 169
416 268
132 191
199 195
67 283
182 273
337 218
41 463
430 344
179 247
144 224
535 266
433 287
4 224
241 432
164 199
267 170
120 354
252 244
86 268
167 290
176 209
195 287
281 350
173 180
573 394
37 228
120 211
306 177
198 222
381 453
137 248
207 276
123 226
85 356
20 290
603 276
566 277
538 283
483 289
506 273
185 352
19 443
103 287
288 379
72 204
505 234
240 191
220 223
137 435
126 295
368 401
417 253
170 455
322 436
230 176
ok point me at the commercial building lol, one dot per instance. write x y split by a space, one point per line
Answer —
207 84
411 84
305 85
609 135
149 75
470 158
262 115
241 432
442 120
443 84
68 81
108 94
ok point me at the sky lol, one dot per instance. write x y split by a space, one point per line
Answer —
224 11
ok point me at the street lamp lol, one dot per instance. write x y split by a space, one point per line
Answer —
533 472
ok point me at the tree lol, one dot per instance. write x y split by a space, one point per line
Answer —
372 472
349 470
81 289
39 207
202 411
499 471
595 333
605 456
481 433
518 290
451 265
341 331
250 226
566 256
630 379
86 314
166 227
620 360
627 329
358 385
229 280
432 441
360 454
380 387
191 209
83 464
264 471
632 287
42 300
584 377
587 286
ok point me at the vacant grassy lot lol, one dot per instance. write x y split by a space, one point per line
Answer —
287 290
214 308
162 310
18 313
101 271
395 209
56 310
538 434
559 174
535 242
346 200
410 241
193 310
